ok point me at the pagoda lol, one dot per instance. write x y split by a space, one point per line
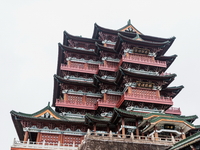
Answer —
112 86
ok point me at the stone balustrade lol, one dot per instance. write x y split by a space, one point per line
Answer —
43 145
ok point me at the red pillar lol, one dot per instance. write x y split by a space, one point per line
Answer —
26 136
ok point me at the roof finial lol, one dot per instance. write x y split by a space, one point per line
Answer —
48 103
129 22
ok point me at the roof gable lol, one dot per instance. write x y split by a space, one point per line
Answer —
130 28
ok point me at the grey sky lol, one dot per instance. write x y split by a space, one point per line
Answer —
31 29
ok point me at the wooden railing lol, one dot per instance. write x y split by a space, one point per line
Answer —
173 110
145 98
108 67
148 98
43 145
89 68
77 104
146 60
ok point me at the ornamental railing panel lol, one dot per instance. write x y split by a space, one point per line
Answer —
80 67
77 104
110 66
146 60
148 98
173 110
44 145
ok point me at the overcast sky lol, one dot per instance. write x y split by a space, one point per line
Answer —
31 29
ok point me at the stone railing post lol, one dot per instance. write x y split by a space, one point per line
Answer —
110 134
14 141
43 144
132 136
173 140
27 144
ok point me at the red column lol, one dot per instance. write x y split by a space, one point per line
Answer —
26 136
38 137
65 97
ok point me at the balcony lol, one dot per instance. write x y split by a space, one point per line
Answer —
145 60
173 110
19 145
81 67
77 104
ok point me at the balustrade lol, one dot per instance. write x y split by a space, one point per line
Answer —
173 110
44 145
109 66
109 101
80 67
146 60
78 102
148 98
129 138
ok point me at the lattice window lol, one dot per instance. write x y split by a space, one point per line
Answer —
141 92
113 98
69 139
50 138
77 65
91 100
92 67
112 64
75 99
141 58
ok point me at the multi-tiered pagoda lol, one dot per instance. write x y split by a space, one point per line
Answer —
114 83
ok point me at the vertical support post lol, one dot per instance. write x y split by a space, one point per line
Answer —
84 99
158 93
85 66
156 134
25 136
68 63
132 136
127 55
137 129
104 97
27 144
43 144
58 144
61 139
105 63
129 90
183 135
38 137
65 97
123 129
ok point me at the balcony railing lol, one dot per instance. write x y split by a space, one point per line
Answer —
145 99
43 145
148 98
173 110
143 60
77 104
89 68
107 103
108 67
129 138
